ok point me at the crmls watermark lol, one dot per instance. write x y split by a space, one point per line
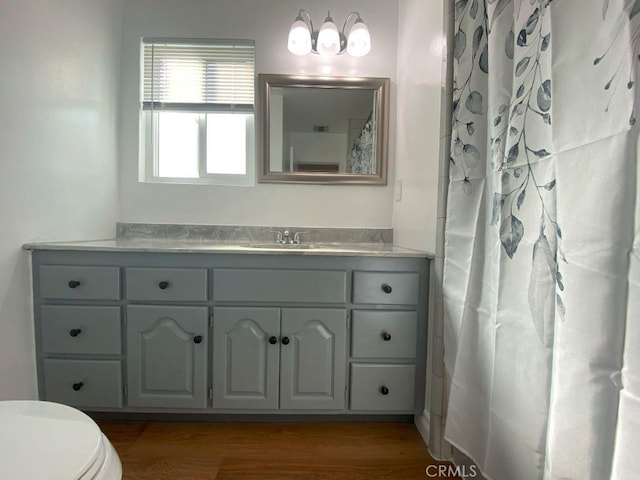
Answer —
446 471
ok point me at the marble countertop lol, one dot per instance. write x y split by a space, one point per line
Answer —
209 246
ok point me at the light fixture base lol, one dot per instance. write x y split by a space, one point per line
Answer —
314 43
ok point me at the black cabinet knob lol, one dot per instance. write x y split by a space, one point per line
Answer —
78 386
73 284
197 339
285 340
386 336
273 340
386 288
74 332
384 390
163 285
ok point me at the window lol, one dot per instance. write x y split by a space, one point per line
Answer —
197 118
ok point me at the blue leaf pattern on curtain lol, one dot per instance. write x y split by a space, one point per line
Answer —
622 77
362 155
541 278
513 155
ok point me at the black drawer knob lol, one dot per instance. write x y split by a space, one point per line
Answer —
78 386
285 340
197 339
386 336
74 332
384 390
163 285
273 340
73 284
386 288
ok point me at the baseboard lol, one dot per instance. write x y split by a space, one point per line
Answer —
245 418
423 425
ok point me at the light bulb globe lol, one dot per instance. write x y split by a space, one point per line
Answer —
328 38
359 40
299 42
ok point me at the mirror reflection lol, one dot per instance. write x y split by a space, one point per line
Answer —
323 130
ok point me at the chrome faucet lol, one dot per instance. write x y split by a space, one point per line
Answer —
284 238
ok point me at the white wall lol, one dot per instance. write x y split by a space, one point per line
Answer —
320 147
58 168
267 22
420 90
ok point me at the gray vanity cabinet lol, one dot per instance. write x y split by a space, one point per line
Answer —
226 333
270 358
167 356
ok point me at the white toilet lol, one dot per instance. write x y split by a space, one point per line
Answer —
50 441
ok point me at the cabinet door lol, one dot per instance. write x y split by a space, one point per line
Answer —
167 356
313 349
245 357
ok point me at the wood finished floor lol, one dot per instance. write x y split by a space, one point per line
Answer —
267 451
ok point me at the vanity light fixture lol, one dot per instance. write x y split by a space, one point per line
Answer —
303 39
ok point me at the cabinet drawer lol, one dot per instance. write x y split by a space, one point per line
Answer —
84 383
79 283
380 334
83 330
382 387
391 288
291 286
168 284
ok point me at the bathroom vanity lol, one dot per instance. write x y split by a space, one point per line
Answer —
191 327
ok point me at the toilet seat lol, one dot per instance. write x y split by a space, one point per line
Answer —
47 440
107 466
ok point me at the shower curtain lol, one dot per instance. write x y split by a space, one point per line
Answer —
362 155
541 280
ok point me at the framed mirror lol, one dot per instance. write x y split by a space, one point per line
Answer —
322 130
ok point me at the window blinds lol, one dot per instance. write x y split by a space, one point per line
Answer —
198 75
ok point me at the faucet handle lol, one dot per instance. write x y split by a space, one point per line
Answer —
279 237
296 237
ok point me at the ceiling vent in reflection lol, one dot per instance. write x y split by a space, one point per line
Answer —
321 128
